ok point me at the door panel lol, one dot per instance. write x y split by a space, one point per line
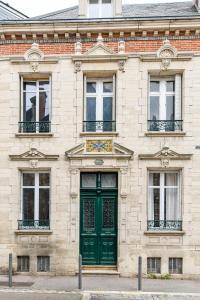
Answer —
98 220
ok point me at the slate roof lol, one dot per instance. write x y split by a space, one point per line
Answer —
155 10
7 12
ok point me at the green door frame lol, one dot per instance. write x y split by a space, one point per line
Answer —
98 242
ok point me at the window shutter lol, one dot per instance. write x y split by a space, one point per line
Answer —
178 96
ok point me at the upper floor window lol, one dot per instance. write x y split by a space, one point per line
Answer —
100 8
35 106
165 104
164 204
35 193
99 115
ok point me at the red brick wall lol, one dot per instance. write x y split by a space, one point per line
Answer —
131 46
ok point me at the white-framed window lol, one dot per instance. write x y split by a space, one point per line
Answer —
165 108
175 265
99 112
35 193
154 265
100 9
164 201
35 105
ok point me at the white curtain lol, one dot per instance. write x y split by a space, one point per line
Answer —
171 196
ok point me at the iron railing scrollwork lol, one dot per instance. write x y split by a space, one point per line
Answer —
34 127
164 225
33 224
165 125
102 126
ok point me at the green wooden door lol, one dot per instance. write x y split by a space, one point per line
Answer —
98 218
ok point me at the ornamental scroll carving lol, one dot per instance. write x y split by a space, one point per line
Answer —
34 55
166 52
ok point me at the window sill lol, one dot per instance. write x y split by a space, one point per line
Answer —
33 232
165 134
108 133
34 135
164 232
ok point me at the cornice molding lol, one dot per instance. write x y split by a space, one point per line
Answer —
33 154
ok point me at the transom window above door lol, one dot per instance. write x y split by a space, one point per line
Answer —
35 106
100 9
165 104
99 115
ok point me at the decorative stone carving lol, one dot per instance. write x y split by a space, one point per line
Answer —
34 163
33 155
34 55
118 151
77 66
121 64
166 53
121 47
165 155
78 48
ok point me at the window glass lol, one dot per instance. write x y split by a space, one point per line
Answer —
154 86
171 86
93 8
91 109
108 180
28 204
44 101
175 265
44 179
89 180
23 263
44 204
43 263
107 9
171 179
153 265
91 87
29 101
28 179
170 107
154 107
107 87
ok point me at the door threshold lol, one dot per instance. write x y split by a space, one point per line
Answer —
100 270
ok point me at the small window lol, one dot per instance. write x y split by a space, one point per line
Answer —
100 9
175 265
153 265
89 180
23 263
43 263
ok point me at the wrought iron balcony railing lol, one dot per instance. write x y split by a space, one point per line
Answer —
34 127
165 125
33 224
164 225
99 126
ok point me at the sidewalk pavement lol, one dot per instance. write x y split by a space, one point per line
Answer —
101 283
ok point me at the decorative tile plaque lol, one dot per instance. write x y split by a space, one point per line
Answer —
100 146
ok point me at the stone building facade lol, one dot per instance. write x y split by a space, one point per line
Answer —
99 139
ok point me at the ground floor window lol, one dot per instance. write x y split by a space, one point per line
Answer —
153 265
23 263
175 265
164 203
35 193
43 263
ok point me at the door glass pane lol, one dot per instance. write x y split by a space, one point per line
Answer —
88 214
91 87
29 101
108 180
44 204
28 179
108 213
107 87
89 180
154 86
44 179
154 108
170 107
28 204
170 86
